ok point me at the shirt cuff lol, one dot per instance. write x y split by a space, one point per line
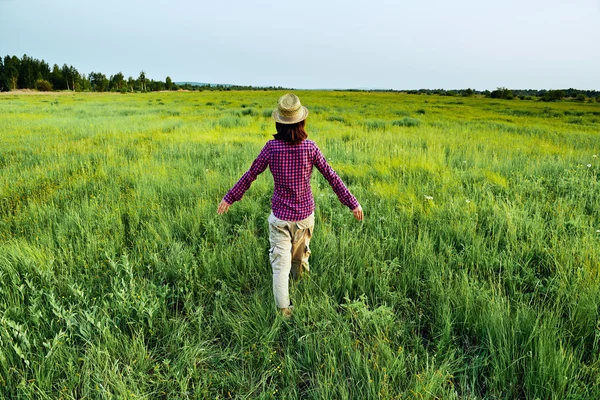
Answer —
228 199
353 203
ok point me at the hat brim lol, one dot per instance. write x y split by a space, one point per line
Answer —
292 119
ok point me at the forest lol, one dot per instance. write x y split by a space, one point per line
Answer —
34 74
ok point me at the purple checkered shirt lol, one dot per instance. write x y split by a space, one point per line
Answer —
291 166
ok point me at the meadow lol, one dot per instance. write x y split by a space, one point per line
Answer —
475 274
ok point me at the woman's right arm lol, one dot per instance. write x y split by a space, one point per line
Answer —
237 191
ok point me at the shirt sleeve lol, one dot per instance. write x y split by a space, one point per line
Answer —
258 166
334 180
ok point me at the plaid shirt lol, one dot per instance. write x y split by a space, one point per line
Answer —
291 166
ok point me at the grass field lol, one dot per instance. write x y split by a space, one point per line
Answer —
475 274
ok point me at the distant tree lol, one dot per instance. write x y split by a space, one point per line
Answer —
43 70
117 82
468 92
157 86
570 92
57 79
98 81
168 83
553 95
66 73
142 80
131 83
26 78
74 77
502 93
581 97
11 69
83 83
3 78
71 75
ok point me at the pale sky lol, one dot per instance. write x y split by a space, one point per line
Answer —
311 44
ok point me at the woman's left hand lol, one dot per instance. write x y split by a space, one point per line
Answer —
223 207
358 213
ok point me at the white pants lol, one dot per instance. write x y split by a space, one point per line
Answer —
289 253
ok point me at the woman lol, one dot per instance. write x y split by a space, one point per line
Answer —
290 157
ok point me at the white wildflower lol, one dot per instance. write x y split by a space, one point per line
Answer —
589 165
428 198
595 156
467 201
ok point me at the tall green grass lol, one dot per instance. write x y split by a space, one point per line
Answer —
474 275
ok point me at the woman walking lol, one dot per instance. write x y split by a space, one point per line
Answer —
290 157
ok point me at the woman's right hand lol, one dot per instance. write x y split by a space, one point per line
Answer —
358 213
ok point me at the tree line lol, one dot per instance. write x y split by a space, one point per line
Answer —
30 73
522 94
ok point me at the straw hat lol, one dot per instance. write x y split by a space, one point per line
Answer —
289 110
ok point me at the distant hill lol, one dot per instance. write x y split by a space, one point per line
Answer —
203 84
222 86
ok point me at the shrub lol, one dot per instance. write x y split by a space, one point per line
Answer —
502 93
574 113
43 85
553 95
336 118
249 112
408 122
373 125
575 120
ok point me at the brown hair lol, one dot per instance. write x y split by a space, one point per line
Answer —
291 133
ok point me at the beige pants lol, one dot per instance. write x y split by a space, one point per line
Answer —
288 254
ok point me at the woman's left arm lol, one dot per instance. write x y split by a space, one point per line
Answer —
223 207
336 183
